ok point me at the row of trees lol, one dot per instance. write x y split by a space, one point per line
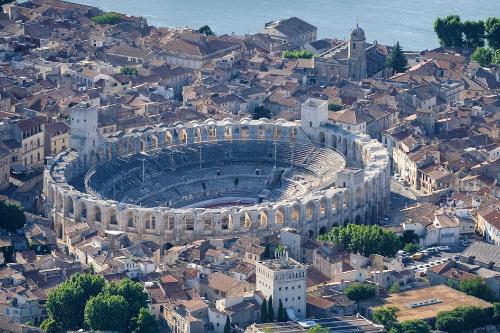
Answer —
304 54
452 32
87 301
364 239
462 319
360 291
267 312
387 316
475 287
12 216
128 70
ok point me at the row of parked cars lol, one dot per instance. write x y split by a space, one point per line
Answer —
422 269
422 254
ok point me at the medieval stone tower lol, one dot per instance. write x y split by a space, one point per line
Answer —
84 137
357 54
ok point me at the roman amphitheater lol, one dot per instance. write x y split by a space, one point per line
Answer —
174 184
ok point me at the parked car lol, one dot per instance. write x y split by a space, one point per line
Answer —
416 256
443 248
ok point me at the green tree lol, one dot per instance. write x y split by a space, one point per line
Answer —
360 291
476 287
411 326
385 315
365 239
449 31
473 34
304 54
397 60
206 30
261 112
496 312
263 311
394 289
50 326
66 303
281 312
449 323
409 236
270 310
492 27
411 248
144 322
132 292
483 56
227 325
107 18
106 312
12 216
334 107
318 329
130 71
496 57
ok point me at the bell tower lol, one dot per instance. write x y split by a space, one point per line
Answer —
357 54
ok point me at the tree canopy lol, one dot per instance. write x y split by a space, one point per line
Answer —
360 291
106 312
263 311
205 30
463 319
107 18
144 322
449 31
130 71
86 299
492 30
365 239
318 329
397 60
411 326
476 287
270 310
385 315
473 33
261 112
304 54
12 216
66 303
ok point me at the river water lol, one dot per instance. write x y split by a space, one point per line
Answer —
386 21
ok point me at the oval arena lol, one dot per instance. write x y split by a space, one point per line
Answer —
174 184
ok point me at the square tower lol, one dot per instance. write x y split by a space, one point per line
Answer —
284 279
313 114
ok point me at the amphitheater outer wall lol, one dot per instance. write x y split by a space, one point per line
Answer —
361 198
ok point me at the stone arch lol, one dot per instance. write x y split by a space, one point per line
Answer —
150 222
322 139
228 132
101 153
335 204
263 218
208 221
97 214
109 152
245 132
212 133
261 134
168 138
197 134
112 217
188 222
245 220
183 136
169 222
323 230
343 146
70 209
154 141
347 199
143 145
334 141
295 216
310 233
130 219
82 211
277 133
280 216
225 221
310 210
323 207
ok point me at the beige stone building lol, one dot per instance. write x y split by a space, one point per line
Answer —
4 166
30 133
56 138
